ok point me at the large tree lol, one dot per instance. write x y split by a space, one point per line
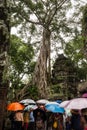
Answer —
4 45
49 15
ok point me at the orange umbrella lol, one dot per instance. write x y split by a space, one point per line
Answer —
15 106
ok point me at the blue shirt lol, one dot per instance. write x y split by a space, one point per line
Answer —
31 117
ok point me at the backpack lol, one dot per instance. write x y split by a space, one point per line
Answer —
55 124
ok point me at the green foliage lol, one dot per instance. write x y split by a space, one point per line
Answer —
30 4
32 28
84 20
82 73
20 64
39 6
49 14
74 49
21 54
33 92
56 88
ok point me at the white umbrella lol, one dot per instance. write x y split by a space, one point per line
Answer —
77 103
27 101
42 101
52 103
64 103
29 107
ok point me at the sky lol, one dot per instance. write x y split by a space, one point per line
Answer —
83 2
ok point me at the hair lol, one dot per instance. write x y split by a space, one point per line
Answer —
19 111
85 117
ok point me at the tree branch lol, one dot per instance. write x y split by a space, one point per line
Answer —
57 7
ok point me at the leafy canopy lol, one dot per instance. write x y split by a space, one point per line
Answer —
21 54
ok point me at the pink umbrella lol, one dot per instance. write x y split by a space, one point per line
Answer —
77 103
84 95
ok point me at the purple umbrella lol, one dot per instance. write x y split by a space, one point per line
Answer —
84 95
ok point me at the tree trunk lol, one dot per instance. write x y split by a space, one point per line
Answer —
4 43
40 74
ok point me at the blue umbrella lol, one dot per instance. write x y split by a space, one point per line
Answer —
54 108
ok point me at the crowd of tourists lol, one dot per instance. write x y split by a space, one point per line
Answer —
41 119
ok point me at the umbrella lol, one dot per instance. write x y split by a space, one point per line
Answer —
29 107
27 101
77 103
15 106
84 95
52 103
42 101
54 108
68 112
64 103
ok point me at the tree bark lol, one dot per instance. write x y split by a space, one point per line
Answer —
40 74
4 44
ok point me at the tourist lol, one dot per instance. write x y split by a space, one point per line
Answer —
76 120
26 119
40 118
58 121
11 117
31 125
18 120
